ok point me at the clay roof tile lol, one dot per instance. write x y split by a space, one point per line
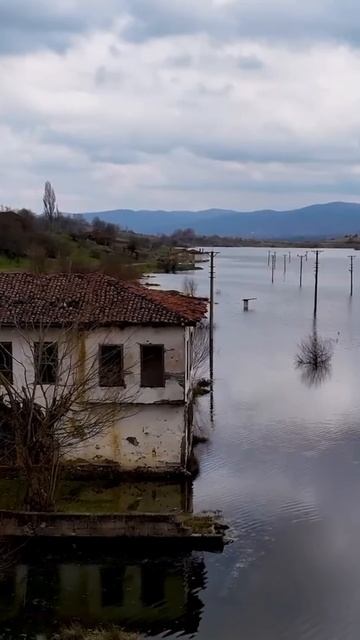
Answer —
95 299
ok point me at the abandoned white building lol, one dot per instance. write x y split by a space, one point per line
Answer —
138 342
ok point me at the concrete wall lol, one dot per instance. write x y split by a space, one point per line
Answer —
141 436
106 593
148 427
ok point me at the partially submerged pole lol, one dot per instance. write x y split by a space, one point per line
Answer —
316 281
273 263
211 313
285 257
269 254
301 256
351 274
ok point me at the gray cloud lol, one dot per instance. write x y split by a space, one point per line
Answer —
179 104
251 63
41 24
55 24
282 19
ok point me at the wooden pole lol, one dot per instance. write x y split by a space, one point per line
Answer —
273 262
211 314
351 274
301 256
285 256
316 281
269 253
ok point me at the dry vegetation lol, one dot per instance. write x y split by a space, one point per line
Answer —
77 632
43 423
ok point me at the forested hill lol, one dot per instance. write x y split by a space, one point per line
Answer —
316 221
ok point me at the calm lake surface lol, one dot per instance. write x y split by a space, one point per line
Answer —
282 463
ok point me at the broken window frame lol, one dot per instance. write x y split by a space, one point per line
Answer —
145 376
46 363
104 368
6 361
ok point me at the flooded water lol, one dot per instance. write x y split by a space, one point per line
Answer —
282 463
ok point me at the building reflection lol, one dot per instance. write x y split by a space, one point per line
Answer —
152 595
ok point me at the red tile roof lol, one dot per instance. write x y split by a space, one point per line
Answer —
91 300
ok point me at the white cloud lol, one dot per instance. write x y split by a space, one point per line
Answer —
181 116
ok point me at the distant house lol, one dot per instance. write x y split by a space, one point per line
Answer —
137 341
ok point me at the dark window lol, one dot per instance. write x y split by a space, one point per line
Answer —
112 586
7 437
152 585
6 361
111 365
46 362
152 365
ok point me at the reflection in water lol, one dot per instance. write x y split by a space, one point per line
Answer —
156 595
284 461
314 359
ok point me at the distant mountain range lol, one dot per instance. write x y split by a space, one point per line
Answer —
316 221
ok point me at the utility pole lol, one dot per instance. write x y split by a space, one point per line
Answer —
316 280
301 256
273 264
351 274
212 255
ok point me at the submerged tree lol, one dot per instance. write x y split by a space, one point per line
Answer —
50 405
314 359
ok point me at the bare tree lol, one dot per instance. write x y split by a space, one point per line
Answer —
51 211
200 349
8 556
190 286
51 404
314 359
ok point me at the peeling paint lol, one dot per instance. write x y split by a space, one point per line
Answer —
155 434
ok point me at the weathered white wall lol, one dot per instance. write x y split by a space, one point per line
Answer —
155 422
146 437
188 360
131 339
85 350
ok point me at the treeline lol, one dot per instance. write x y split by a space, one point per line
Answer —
68 243
189 238
54 241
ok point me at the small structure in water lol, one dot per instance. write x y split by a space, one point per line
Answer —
246 303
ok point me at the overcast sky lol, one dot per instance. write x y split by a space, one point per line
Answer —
179 103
